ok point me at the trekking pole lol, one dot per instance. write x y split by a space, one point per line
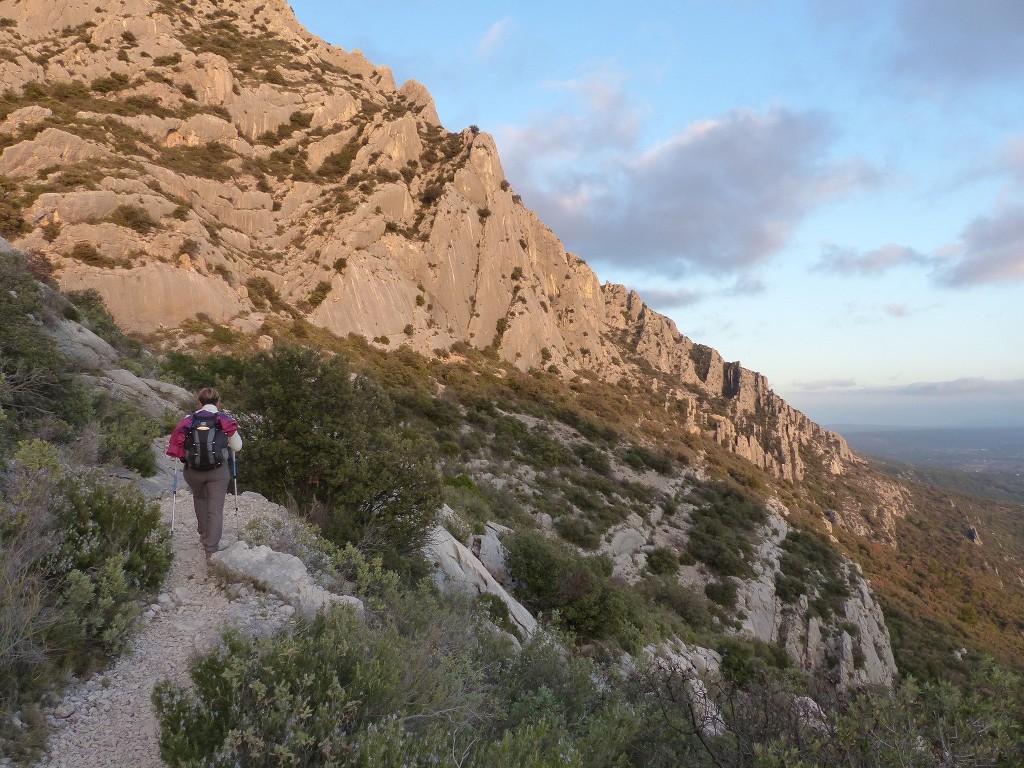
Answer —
174 495
234 476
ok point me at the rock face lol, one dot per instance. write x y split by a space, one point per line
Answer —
197 161
855 644
852 643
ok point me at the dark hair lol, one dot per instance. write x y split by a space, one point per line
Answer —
208 395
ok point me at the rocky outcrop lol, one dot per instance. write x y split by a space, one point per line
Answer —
853 645
282 574
457 568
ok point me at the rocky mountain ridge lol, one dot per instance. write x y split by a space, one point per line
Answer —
211 167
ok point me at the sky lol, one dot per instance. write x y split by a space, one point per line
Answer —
831 193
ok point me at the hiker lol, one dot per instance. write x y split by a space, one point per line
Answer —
202 441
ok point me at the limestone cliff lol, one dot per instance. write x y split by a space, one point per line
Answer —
217 161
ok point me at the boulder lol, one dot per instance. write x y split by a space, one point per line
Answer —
153 397
83 349
457 569
282 574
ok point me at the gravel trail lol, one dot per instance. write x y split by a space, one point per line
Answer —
109 720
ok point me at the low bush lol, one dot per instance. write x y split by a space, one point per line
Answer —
662 561
262 293
92 312
128 436
640 458
578 532
552 577
37 394
809 566
12 222
724 528
337 164
316 298
685 602
133 217
77 553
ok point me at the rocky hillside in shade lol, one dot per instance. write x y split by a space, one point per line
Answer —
209 166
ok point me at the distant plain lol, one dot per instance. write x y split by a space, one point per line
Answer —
986 462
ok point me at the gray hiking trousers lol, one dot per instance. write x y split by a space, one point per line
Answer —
208 491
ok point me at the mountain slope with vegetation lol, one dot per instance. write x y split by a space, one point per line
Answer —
396 331
214 171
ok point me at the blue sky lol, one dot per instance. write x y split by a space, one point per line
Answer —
831 193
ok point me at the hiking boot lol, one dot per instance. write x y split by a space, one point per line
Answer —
220 548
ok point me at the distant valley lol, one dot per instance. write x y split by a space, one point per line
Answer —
986 462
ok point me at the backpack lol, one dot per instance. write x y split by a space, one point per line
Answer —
206 443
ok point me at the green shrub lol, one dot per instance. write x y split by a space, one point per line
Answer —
639 458
36 391
77 553
168 60
316 298
553 577
809 566
685 602
722 592
112 83
724 528
578 532
262 293
593 458
133 217
365 479
337 164
401 688
541 450
12 222
88 254
128 436
221 371
207 161
662 561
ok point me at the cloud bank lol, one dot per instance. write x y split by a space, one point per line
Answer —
966 387
946 44
719 196
990 250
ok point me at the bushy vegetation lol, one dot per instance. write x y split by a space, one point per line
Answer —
76 554
428 681
724 528
77 551
12 222
811 567
36 392
332 443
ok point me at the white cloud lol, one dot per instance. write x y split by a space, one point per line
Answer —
990 250
494 37
825 385
669 298
835 258
897 310
965 387
720 196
